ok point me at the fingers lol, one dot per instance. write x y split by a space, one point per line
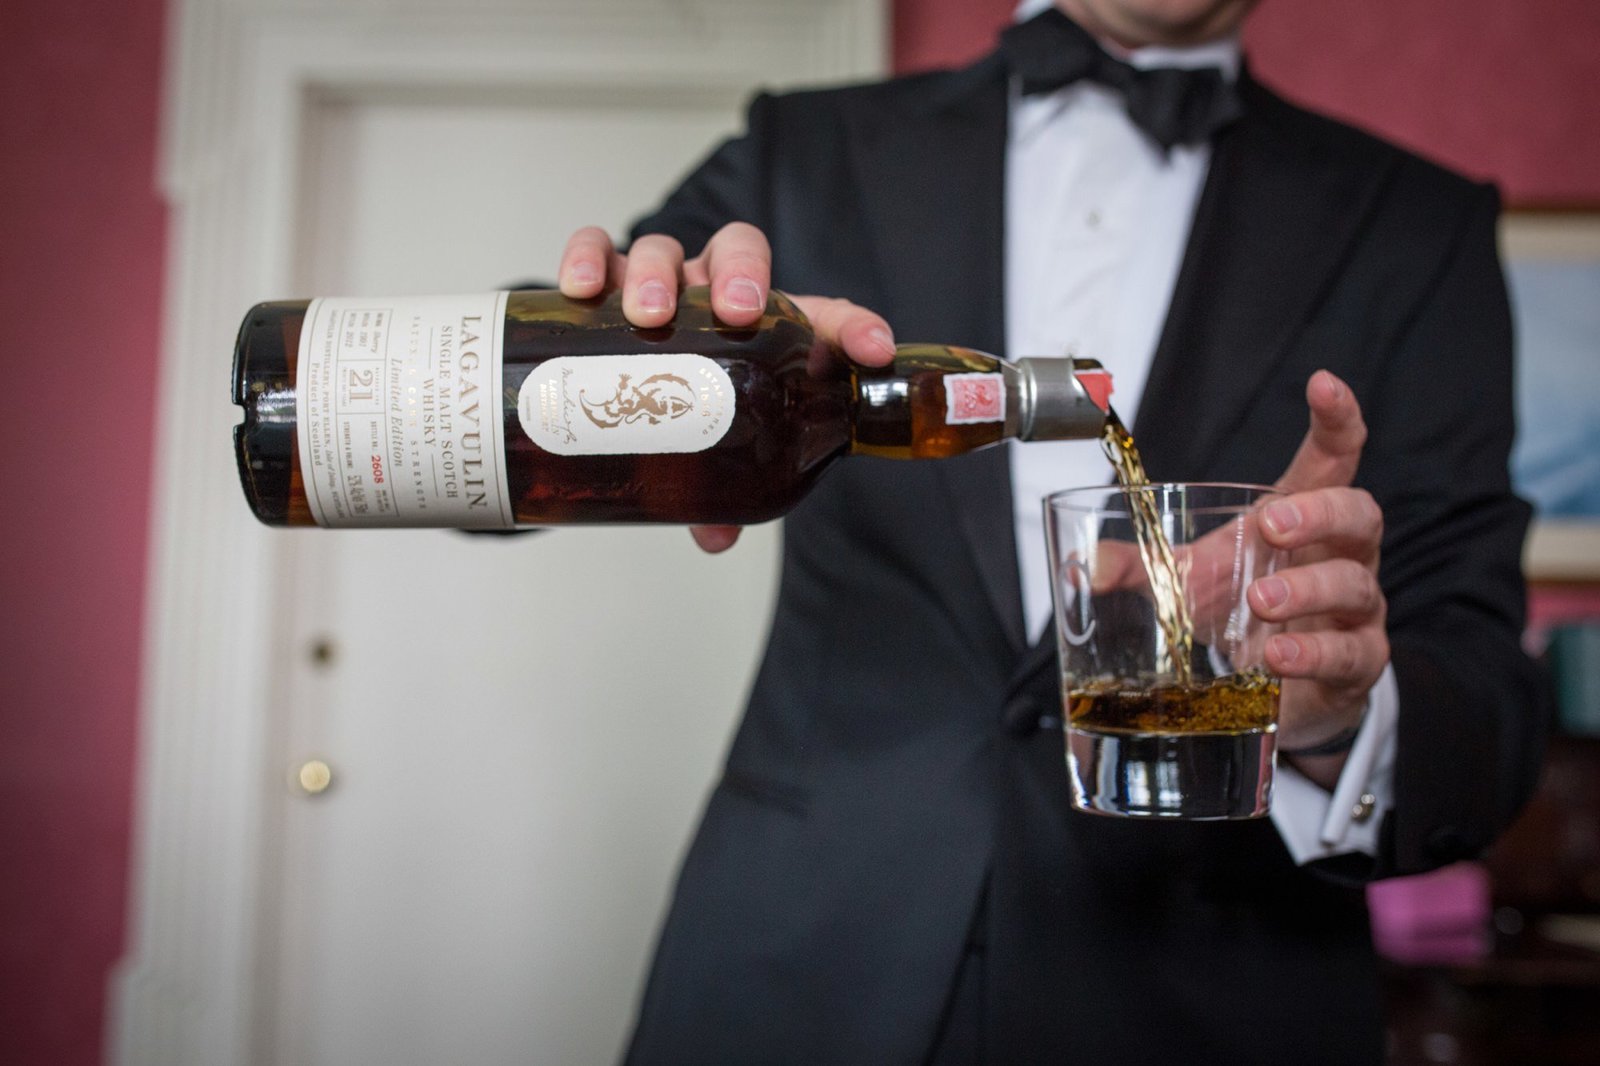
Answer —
714 539
1331 450
1349 659
737 264
588 261
864 336
1342 642
1330 601
1335 521
1340 590
1118 565
650 286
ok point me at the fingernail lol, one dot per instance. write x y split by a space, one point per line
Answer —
583 274
1285 649
1272 591
742 294
653 296
1335 390
1281 517
882 339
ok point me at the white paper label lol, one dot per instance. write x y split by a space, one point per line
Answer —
626 404
399 410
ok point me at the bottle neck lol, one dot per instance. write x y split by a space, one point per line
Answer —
1059 398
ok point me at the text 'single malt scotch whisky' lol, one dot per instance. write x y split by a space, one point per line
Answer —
530 409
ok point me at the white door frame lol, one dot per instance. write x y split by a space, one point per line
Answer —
242 77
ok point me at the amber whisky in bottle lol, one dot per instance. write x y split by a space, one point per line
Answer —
531 409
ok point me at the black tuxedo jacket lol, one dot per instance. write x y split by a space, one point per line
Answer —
889 799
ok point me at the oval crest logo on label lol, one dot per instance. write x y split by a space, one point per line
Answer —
645 404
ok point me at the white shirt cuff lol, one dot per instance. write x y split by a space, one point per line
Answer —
1314 823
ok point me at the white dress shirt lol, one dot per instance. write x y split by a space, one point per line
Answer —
1097 218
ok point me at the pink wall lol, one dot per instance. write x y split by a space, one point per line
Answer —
81 239
944 33
81 250
1490 87
1498 90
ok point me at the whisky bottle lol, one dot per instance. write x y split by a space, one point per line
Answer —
531 409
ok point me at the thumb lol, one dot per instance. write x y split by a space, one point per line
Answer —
713 539
862 334
1331 450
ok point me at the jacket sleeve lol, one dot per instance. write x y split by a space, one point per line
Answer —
729 185
1473 706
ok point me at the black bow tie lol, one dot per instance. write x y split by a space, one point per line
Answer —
1171 104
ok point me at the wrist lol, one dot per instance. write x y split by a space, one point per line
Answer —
1338 744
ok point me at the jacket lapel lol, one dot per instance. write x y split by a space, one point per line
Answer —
1274 222
1275 219
932 178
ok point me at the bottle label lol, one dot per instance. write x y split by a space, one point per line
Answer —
973 398
399 410
626 404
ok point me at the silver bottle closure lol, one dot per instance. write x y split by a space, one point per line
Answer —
1053 403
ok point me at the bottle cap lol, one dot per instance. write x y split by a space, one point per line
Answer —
1063 398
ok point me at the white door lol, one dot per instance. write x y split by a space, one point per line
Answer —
519 732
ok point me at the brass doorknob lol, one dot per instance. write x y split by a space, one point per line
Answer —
314 777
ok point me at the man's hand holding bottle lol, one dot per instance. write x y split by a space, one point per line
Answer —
737 264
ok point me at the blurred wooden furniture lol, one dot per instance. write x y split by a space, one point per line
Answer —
1534 1000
